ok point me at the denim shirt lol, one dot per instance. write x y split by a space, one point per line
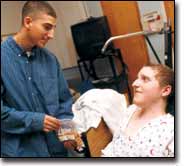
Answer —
31 87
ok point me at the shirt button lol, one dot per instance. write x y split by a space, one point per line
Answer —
29 78
27 61
19 54
32 94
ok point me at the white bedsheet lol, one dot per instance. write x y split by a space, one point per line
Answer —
96 104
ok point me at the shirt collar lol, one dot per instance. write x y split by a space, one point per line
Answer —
19 50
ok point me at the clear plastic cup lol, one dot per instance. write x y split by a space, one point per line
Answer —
67 130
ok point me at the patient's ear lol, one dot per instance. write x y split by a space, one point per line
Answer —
166 90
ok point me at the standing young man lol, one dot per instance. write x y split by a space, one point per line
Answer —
34 93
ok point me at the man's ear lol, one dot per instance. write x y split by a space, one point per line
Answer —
28 22
166 90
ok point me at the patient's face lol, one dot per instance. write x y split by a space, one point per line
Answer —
146 88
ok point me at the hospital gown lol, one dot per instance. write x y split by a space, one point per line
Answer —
154 139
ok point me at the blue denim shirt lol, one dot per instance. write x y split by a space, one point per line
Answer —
30 88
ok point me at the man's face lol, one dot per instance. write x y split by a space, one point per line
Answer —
146 88
41 29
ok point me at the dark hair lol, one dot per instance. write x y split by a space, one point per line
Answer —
31 8
165 76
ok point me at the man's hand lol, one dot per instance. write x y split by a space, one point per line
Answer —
74 144
51 123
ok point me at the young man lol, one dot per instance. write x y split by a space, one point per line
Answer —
34 93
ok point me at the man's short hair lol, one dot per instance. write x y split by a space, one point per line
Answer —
31 8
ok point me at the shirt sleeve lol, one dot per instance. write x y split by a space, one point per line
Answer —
19 121
65 98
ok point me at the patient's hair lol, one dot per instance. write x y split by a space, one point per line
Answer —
33 8
165 76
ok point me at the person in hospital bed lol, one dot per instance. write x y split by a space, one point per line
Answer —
147 129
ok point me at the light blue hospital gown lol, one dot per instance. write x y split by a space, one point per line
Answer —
155 139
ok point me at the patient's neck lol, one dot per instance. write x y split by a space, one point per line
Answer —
152 111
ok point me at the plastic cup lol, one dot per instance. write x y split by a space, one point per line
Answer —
67 130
